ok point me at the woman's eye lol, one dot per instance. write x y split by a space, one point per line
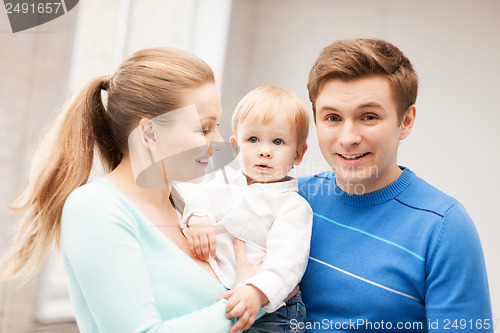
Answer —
253 139
205 131
278 142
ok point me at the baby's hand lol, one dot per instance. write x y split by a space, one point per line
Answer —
243 302
201 237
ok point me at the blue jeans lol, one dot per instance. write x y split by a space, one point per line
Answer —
290 318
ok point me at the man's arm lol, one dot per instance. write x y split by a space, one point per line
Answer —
456 289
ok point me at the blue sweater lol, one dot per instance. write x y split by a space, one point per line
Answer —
126 276
406 258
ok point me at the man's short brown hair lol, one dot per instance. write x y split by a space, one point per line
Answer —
362 57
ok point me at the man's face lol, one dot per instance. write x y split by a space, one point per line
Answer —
359 131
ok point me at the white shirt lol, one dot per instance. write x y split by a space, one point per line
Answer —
272 218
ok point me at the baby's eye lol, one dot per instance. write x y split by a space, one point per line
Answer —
278 142
253 139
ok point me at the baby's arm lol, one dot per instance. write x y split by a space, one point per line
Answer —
287 252
244 303
200 234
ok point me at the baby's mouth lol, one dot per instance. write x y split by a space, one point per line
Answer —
263 166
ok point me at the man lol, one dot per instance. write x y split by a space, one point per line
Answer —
389 252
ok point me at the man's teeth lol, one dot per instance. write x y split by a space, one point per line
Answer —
202 160
352 157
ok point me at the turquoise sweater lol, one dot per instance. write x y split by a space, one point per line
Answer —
406 258
126 276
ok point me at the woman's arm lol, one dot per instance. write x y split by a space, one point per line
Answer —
109 276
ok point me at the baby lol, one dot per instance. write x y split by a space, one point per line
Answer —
260 206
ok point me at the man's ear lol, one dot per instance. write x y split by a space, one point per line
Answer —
299 154
234 145
148 134
408 121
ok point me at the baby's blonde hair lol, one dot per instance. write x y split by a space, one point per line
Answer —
263 103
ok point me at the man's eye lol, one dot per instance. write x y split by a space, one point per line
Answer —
278 142
332 118
369 117
253 139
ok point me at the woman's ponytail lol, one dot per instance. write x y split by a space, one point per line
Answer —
147 84
62 163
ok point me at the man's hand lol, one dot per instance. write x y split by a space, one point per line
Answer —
243 302
201 237
244 269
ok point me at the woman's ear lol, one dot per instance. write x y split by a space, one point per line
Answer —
234 145
148 134
408 121
299 154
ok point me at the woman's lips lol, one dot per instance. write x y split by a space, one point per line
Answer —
203 161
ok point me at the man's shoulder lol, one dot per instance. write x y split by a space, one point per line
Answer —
317 178
422 195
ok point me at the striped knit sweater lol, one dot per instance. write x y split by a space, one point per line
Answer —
406 258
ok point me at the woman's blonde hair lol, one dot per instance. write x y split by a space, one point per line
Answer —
263 103
147 84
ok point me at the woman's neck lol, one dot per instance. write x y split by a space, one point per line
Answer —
123 178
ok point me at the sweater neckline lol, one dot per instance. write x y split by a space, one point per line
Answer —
378 197
125 200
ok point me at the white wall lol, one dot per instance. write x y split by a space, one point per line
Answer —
454 46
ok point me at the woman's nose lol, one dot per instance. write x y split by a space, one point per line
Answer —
215 142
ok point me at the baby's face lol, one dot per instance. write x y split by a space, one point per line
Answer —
267 152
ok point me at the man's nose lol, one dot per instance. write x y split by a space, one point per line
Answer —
350 134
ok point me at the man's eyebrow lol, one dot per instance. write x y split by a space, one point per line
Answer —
326 108
370 105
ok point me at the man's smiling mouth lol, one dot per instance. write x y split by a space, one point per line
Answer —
352 157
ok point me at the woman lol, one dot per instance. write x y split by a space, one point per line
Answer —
129 268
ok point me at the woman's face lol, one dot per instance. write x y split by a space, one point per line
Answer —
186 139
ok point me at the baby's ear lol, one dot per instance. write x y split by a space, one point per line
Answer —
148 134
299 154
234 145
